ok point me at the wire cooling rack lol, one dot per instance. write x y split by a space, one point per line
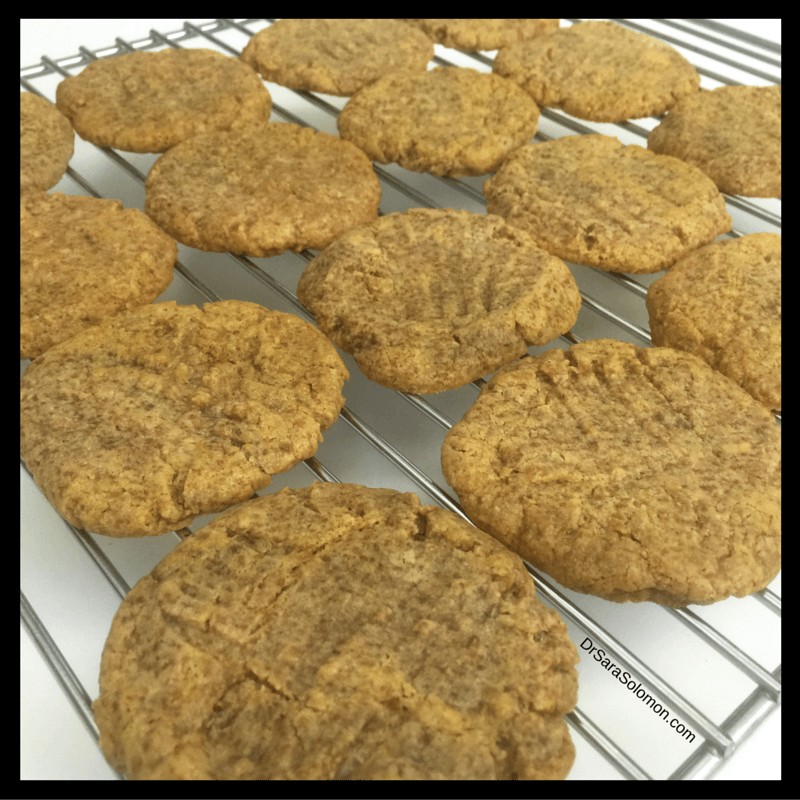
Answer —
663 693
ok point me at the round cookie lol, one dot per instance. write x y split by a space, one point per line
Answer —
592 200
153 417
337 632
450 121
733 134
262 190
723 304
46 143
147 102
429 300
83 259
627 473
336 56
599 71
483 34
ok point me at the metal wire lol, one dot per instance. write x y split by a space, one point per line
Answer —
718 741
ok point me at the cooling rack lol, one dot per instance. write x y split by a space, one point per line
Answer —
691 685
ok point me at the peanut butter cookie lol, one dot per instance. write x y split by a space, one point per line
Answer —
46 143
450 121
599 71
83 259
147 102
733 134
723 303
483 34
592 200
336 56
627 473
429 300
262 190
153 417
337 632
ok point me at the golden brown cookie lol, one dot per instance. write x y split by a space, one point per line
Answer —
147 102
46 143
337 632
599 71
450 121
429 300
723 304
483 34
83 259
592 200
336 56
627 473
733 134
153 417
262 190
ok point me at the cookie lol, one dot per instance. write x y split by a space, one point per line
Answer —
483 34
262 190
153 417
599 71
592 200
733 134
147 102
723 304
83 259
337 632
429 300
336 56
46 143
628 473
450 121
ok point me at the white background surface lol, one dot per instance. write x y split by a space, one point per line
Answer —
54 743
